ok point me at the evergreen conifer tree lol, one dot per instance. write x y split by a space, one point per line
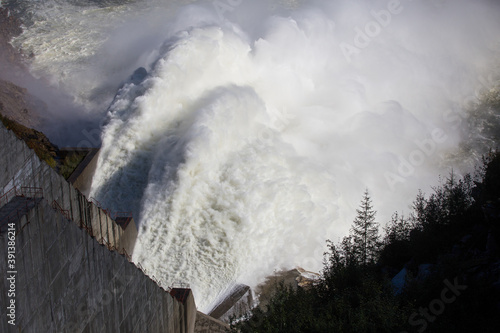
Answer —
364 232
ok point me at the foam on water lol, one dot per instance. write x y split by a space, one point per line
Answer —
87 48
240 157
249 144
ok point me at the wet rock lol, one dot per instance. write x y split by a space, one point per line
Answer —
18 105
10 59
424 271
399 281
139 75
306 279
465 240
491 244
238 302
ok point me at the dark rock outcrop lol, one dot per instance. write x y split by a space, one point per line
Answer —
15 102
36 140
10 58
18 105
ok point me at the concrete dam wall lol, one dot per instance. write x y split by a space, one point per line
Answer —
67 282
22 172
64 260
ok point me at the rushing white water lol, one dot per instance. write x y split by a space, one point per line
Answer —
87 48
252 137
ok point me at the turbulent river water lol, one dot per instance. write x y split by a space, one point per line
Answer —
252 129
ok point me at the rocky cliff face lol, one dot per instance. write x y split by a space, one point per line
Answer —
18 108
10 59
36 140
15 102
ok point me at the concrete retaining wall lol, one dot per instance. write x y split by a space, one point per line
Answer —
22 168
82 176
67 282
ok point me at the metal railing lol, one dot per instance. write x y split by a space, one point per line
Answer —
4 199
28 170
26 192
37 192
98 204
17 213
64 212
87 228
180 285
31 192
113 215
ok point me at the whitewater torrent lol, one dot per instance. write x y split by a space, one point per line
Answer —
250 138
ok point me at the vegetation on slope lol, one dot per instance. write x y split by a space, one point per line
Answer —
36 140
62 161
69 162
436 270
